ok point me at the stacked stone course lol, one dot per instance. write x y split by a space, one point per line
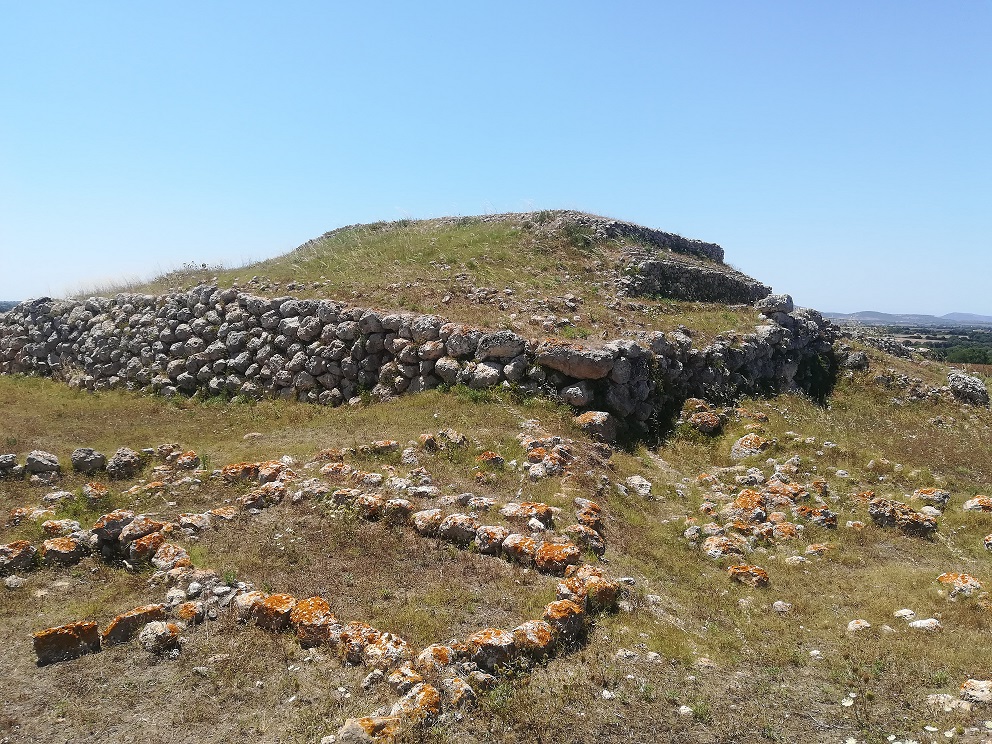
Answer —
225 342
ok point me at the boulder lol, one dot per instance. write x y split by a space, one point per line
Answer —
775 303
159 637
126 625
139 527
421 704
16 556
587 537
88 461
312 618
170 556
489 539
960 584
66 642
599 425
534 638
144 548
639 485
387 651
567 618
576 361
273 612
750 445
63 551
554 558
458 528
39 461
244 605
520 549
124 465
752 576
491 648
528 510
977 691
404 678
500 345
369 730
890 513
436 657
968 389
426 522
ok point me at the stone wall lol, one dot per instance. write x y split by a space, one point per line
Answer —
682 280
224 342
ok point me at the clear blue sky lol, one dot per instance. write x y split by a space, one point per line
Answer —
840 151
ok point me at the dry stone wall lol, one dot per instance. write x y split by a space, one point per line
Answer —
225 342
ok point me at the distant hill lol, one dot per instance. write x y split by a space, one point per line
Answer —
5 305
872 317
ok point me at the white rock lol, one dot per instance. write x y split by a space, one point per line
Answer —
685 711
641 486
781 606
977 691
904 614
856 625
930 625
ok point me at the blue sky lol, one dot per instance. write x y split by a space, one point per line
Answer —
839 151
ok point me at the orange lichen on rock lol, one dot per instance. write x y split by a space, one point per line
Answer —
435 657
960 584
95 491
566 617
527 510
170 556
421 704
144 548
126 625
491 460
387 651
753 576
749 506
16 556
66 642
240 471
535 638
554 558
491 648
226 513
380 729
64 551
190 613
273 613
312 618
139 527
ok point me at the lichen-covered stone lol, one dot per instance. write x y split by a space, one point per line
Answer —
273 612
491 648
66 642
126 625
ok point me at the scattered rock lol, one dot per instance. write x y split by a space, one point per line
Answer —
639 485
88 461
968 389
159 637
124 465
39 461
977 691
750 445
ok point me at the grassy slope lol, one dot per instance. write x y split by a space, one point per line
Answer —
760 667
434 267
761 683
